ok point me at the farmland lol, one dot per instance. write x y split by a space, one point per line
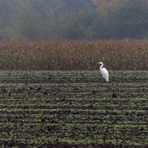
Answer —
73 108
74 55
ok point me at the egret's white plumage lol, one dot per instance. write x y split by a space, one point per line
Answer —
104 72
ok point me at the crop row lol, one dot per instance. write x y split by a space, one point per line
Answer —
66 91
70 76
45 133
72 89
82 95
69 99
69 105
127 118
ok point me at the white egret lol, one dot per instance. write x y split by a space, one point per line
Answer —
104 72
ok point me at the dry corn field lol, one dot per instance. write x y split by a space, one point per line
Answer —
74 55
64 109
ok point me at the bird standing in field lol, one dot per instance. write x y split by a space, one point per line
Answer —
104 72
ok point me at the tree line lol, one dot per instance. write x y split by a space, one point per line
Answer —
69 19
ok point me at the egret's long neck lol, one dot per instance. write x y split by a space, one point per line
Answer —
101 65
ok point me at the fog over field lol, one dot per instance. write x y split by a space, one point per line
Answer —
73 19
